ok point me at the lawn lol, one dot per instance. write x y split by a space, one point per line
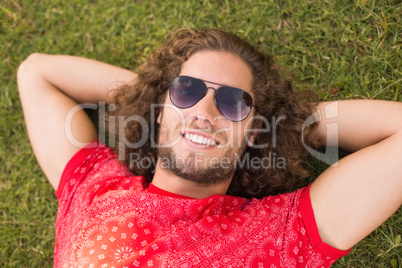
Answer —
339 49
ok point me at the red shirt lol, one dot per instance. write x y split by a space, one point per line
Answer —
108 217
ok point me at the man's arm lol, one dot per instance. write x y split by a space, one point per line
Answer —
354 197
50 86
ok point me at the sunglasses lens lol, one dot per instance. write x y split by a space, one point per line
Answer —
235 104
186 91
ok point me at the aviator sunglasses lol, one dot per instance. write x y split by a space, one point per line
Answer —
234 103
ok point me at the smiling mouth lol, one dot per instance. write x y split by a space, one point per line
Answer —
199 139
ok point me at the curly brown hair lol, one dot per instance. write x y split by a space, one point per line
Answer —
274 97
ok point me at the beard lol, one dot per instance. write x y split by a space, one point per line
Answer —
197 167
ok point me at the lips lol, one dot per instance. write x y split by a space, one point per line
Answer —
200 139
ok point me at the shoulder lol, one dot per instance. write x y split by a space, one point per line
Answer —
94 167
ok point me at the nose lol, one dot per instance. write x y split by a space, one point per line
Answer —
206 108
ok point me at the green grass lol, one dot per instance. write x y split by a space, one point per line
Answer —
341 49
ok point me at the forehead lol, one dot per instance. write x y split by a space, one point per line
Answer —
219 67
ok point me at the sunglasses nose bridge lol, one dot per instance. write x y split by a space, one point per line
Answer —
214 96
214 89
204 108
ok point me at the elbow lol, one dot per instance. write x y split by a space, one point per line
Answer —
34 57
27 64
30 62
26 71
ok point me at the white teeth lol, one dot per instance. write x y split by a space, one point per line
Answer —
200 139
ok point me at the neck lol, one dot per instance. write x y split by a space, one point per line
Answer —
167 181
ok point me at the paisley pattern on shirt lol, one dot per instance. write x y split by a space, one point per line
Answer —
109 218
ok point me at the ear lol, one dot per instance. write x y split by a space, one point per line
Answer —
254 134
159 119
252 138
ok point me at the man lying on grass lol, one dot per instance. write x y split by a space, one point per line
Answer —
209 143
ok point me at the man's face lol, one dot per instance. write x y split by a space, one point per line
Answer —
199 143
